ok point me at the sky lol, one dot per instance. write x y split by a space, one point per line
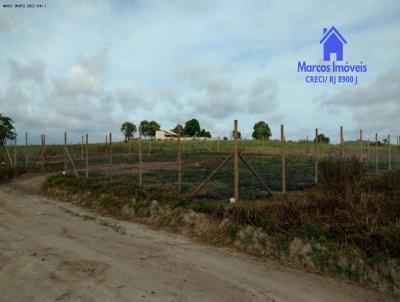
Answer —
89 66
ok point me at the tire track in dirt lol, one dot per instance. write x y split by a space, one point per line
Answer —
55 251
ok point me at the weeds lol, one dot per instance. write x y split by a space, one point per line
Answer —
232 231
7 173
346 209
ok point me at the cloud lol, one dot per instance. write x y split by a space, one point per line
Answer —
86 77
262 96
375 106
8 22
171 61
34 71
211 90
132 97
217 92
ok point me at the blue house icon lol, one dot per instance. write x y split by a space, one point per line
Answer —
333 43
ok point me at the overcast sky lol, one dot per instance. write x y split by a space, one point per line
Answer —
89 66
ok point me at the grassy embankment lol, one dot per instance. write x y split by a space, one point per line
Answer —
355 214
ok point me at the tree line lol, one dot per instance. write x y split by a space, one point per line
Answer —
191 128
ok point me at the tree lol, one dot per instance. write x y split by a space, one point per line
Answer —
144 127
261 130
153 127
323 139
149 128
204 133
192 127
7 130
128 129
239 134
225 138
178 128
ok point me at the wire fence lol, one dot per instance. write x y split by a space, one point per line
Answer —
184 165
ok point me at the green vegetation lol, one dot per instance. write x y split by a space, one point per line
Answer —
128 129
7 130
192 128
7 173
322 139
149 128
261 131
357 212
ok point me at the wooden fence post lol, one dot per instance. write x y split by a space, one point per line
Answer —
72 163
106 147
15 150
82 148
368 149
235 162
65 152
42 150
283 163
26 149
179 162
316 156
8 155
398 147
389 154
341 143
376 152
110 156
87 157
140 157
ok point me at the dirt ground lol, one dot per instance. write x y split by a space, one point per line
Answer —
55 251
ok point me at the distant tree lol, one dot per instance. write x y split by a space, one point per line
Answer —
149 128
204 133
225 138
323 139
7 130
153 127
178 128
128 129
261 130
192 127
239 135
144 127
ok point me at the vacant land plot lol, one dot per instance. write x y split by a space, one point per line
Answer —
54 251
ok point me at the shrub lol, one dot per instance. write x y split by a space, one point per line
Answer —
9 172
337 175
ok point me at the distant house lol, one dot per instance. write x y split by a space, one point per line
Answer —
166 134
333 44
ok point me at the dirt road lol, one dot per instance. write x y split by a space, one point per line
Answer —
55 251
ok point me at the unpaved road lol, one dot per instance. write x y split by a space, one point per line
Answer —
50 252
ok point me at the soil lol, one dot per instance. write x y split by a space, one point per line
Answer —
56 251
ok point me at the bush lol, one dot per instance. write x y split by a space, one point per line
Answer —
7 173
387 182
338 174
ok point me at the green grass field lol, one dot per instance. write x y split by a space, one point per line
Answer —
200 158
